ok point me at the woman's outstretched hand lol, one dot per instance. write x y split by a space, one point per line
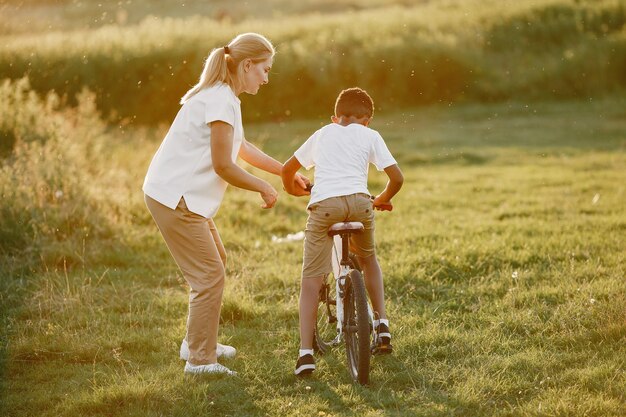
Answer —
269 196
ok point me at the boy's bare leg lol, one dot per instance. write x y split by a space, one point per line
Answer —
374 284
309 300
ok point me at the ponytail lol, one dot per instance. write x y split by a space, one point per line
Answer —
215 69
223 64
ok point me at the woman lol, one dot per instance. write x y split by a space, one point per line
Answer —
188 176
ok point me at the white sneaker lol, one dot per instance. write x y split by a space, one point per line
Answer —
213 368
223 351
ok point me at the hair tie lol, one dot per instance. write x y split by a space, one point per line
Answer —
226 50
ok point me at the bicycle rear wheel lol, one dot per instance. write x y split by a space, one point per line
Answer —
326 325
355 262
357 328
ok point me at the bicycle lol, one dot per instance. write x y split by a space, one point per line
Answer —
344 311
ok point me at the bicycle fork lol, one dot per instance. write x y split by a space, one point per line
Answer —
340 291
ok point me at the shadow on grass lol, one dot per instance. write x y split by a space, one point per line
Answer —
4 342
184 396
393 387
13 282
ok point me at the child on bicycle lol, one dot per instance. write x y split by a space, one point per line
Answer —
341 152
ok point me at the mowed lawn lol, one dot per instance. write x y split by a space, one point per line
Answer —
504 263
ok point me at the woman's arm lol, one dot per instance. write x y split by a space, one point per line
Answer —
221 150
259 159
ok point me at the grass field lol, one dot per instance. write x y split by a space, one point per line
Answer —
504 266
504 258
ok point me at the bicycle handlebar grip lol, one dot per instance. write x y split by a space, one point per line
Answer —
384 207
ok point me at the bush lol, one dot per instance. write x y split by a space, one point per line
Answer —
433 52
49 201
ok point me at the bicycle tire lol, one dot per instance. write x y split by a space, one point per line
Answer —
355 262
357 328
326 323
357 266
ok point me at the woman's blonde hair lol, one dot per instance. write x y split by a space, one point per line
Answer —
224 63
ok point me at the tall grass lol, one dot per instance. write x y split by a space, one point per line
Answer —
443 51
53 171
62 191
48 16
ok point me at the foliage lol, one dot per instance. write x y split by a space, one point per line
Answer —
51 175
444 51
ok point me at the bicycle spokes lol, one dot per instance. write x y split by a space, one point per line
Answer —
326 335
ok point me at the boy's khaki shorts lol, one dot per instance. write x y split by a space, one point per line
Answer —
323 214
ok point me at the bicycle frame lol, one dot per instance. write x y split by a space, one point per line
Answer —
341 268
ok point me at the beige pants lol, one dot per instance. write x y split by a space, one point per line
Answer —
323 214
197 249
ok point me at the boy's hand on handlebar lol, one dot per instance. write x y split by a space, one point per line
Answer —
269 196
301 186
302 181
382 205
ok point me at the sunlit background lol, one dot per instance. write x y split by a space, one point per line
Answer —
504 256
131 53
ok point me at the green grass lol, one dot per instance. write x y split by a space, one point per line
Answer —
504 269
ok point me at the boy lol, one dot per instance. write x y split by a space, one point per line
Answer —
341 153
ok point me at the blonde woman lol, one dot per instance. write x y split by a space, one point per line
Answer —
189 174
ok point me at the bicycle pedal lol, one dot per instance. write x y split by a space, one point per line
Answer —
382 349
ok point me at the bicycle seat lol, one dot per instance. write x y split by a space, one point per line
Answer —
343 227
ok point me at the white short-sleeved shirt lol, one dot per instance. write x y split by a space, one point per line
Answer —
182 167
341 156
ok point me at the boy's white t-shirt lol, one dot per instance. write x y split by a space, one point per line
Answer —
341 156
182 167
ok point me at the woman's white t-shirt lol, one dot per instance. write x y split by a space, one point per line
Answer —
182 167
341 156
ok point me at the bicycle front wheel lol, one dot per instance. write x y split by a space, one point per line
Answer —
357 328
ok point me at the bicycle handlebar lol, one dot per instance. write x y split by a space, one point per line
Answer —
382 207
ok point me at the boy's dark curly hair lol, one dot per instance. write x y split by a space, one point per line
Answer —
354 102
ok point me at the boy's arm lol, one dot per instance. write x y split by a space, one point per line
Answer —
396 179
288 175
